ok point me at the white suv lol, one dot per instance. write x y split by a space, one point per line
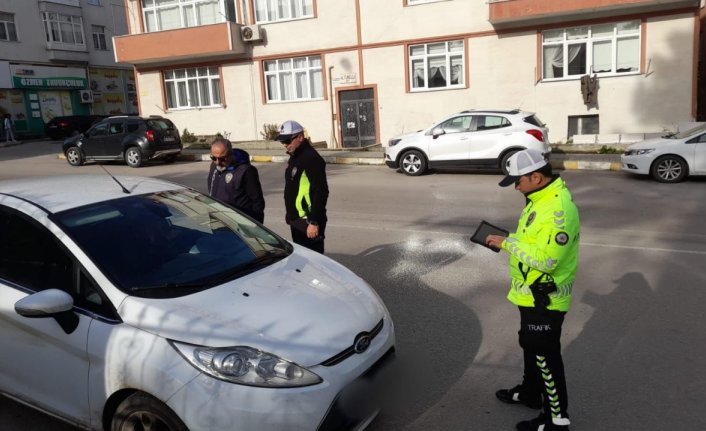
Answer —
468 139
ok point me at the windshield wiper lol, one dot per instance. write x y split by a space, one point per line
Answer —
268 258
170 286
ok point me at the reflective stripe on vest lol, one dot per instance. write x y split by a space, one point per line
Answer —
303 201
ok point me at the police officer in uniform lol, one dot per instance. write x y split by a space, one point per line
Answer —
305 188
233 180
543 263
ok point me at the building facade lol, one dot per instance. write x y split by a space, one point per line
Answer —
357 72
56 58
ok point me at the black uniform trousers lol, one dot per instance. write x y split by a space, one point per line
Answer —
540 334
316 244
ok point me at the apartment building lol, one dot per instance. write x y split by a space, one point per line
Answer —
56 58
356 72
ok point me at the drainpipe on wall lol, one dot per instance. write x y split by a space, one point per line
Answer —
333 114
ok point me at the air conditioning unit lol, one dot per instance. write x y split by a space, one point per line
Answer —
250 33
86 96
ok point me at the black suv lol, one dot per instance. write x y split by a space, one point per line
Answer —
69 125
130 138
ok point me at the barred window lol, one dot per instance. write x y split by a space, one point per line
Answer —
438 65
294 79
604 49
62 28
282 10
7 27
195 87
169 14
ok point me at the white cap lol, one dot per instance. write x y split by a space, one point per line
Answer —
522 163
289 129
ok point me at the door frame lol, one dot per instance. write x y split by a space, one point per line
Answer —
339 131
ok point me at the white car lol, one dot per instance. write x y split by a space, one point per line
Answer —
134 303
468 139
668 159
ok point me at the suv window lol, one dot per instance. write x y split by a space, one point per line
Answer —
132 126
116 128
160 124
487 122
100 129
457 124
534 120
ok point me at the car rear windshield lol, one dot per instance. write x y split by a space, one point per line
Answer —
161 124
534 120
172 243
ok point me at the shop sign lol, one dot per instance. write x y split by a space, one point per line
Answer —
68 83
43 77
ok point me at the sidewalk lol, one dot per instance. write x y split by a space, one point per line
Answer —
375 156
267 152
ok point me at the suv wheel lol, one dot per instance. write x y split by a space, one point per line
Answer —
503 162
133 157
74 156
413 163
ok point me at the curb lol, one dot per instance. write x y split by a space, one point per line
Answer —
573 165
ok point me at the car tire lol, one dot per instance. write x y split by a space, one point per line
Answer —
669 169
503 161
74 156
140 411
413 163
133 157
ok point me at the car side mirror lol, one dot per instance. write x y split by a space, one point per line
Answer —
50 303
438 131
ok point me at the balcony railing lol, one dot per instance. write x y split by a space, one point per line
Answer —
202 43
519 13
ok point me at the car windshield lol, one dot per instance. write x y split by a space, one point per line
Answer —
688 133
170 243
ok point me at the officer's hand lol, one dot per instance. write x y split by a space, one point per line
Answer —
312 231
494 241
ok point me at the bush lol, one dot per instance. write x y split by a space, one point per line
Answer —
188 137
608 150
270 131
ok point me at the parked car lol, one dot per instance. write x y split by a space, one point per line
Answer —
668 159
130 138
70 125
160 308
468 139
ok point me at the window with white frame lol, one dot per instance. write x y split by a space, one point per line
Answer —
603 49
437 65
99 37
196 87
7 27
170 14
282 10
294 79
66 29
413 2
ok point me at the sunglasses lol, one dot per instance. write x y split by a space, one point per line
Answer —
289 141
220 159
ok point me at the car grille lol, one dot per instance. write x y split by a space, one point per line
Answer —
345 354
361 399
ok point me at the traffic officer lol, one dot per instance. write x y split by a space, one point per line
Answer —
543 263
305 188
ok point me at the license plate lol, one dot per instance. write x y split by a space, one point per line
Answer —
169 139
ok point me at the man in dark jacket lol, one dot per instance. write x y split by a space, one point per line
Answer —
305 188
233 180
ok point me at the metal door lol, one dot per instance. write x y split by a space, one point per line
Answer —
357 109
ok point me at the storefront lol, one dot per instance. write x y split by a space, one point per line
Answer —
113 91
40 93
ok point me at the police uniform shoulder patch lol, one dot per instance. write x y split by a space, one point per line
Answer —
530 219
562 238
229 177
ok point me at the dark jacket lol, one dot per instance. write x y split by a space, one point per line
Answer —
305 185
239 186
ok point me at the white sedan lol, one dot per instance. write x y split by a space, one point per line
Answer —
134 303
668 159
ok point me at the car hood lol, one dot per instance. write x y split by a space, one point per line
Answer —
305 308
654 142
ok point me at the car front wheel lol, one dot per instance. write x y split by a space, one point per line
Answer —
503 162
413 163
669 169
133 157
140 412
74 156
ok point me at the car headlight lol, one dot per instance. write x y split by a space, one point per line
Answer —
393 142
247 366
639 152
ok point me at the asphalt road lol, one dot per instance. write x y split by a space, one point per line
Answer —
633 341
